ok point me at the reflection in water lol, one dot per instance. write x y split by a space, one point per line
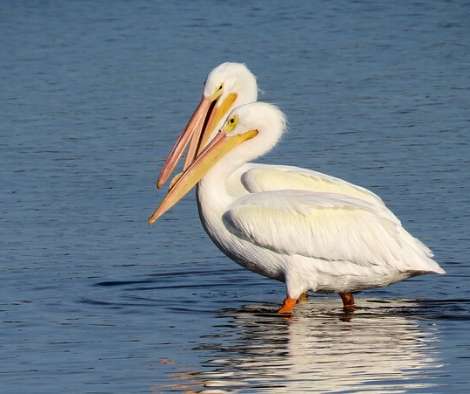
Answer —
381 348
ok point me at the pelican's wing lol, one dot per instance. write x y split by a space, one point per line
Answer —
326 226
262 178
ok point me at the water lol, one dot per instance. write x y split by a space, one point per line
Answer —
93 300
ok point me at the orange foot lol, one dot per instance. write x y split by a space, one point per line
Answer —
287 306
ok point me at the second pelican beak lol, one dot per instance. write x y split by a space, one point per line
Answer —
205 118
194 125
220 110
217 148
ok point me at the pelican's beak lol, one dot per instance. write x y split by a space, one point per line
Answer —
194 126
217 148
197 132
220 111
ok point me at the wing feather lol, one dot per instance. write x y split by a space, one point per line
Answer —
262 178
269 178
326 226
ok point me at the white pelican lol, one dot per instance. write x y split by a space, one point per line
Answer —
320 241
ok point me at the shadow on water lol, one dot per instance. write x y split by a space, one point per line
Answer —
385 346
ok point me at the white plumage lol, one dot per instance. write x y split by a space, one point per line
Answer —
353 244
307 229
312 240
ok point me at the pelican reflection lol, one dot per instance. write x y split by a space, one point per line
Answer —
380 348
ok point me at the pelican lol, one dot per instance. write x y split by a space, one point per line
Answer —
322 241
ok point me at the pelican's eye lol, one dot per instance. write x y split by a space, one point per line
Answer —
217 92
230 124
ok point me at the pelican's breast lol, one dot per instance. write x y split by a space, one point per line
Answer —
214 201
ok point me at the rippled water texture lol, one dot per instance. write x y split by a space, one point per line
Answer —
93 300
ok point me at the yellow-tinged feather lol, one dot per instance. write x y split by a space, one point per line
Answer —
326 226
280 177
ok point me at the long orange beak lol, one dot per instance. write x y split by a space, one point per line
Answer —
220 110
200 127
217 148
194 126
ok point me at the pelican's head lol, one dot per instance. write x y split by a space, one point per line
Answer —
249 131
228 85
267 119
231 79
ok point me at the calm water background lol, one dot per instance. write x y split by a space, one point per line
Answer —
93 300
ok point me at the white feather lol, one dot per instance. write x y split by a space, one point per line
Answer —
308 229
326 226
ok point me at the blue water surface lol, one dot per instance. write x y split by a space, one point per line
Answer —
93 94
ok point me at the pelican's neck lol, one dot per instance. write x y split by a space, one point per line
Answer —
212 191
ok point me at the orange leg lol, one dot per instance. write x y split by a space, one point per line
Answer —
348 301
287 306
303 298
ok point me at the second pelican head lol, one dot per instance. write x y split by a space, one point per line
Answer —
228 85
